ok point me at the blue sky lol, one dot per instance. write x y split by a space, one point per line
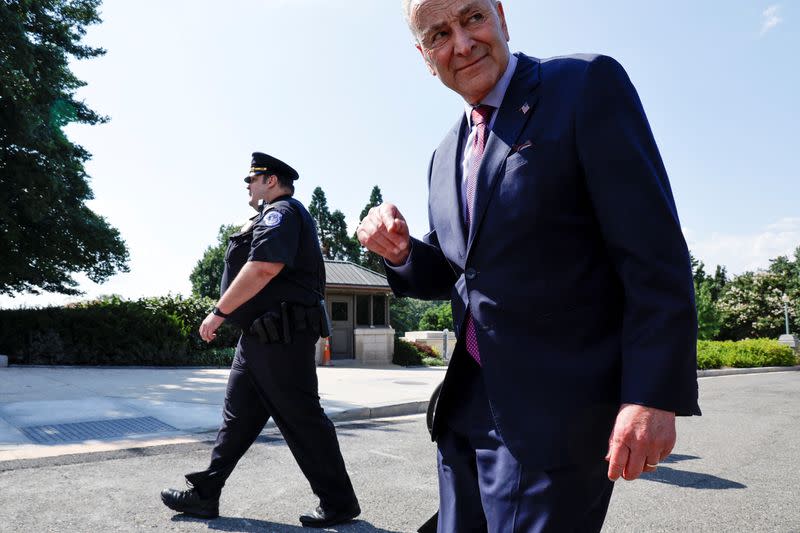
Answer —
337 90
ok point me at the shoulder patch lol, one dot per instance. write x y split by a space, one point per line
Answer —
273 218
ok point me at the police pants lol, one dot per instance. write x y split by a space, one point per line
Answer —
278 381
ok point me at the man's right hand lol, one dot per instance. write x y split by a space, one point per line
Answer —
385 232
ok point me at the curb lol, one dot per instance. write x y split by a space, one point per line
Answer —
384 411
741 371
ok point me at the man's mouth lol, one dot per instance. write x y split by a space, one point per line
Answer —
465 67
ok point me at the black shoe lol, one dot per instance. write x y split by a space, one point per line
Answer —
189 502
326 518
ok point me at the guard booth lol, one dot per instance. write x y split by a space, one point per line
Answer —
358 304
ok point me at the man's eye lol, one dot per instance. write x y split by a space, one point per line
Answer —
437 38
477 17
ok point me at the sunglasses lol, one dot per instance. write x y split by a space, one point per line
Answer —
248 179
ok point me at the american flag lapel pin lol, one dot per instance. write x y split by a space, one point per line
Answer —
525 108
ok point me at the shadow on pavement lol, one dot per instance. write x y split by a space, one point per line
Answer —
693 480
384 425
677 458
250 525
682 478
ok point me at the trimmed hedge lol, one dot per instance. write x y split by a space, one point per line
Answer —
748 353
163 332
112 331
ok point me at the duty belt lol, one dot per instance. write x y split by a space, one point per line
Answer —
279 328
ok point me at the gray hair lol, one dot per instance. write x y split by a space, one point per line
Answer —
406 5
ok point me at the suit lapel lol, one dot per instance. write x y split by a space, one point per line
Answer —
519 105
446 191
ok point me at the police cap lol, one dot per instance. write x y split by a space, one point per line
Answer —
266 164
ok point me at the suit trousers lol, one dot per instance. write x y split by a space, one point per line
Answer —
483 487
278 381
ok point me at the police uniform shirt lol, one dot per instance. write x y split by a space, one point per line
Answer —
284 233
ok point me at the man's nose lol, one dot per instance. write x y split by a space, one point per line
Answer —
462 42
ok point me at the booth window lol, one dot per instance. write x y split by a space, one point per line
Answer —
362 310
339 311
370 310
379 310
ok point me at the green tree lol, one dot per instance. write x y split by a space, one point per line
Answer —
788 270
207 273
375 199
341 246
332 229
407 312
437 318
318 208
717 282
47 232
709 320
707 290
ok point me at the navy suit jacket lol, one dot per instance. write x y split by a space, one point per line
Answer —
575 268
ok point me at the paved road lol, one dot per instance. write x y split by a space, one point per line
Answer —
735 469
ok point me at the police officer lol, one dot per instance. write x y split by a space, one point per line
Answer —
272 287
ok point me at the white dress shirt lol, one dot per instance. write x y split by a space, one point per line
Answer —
494 99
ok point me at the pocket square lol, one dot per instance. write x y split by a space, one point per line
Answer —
515 149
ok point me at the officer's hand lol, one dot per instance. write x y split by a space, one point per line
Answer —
385 232
209 327
642 436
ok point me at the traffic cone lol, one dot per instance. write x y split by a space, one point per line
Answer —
326 353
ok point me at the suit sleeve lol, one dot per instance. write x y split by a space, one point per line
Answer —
426 274
633 202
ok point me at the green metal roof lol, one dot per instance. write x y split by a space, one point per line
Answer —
347 274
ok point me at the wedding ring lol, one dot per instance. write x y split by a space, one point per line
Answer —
651 466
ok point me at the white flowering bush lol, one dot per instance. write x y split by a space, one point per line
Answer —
751 307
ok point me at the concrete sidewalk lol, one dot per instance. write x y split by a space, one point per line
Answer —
51 411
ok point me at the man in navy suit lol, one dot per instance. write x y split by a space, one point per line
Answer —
555 235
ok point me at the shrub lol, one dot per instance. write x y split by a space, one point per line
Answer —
748 353
432 361
709 354
760 352
113 331
406 354
214 357
427 351
191 312
430 355
415 354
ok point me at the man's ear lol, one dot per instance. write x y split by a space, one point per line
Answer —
428 62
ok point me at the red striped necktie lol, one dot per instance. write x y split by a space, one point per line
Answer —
480 119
